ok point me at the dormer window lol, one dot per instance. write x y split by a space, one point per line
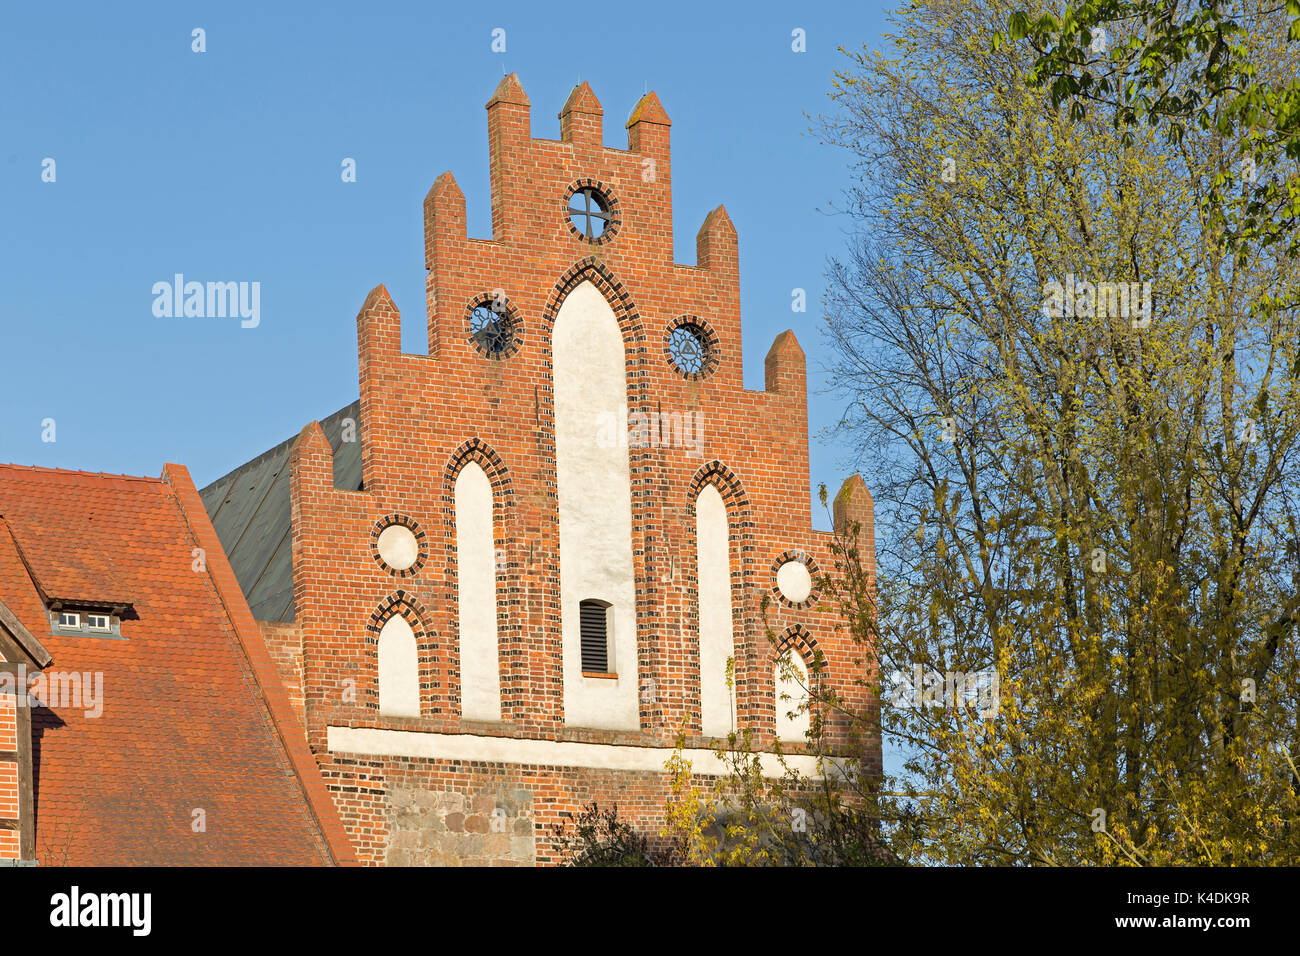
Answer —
85 622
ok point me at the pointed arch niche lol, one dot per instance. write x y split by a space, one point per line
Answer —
399 669
595 506
792 716
397 632
723 528
476 596
792 676
717 639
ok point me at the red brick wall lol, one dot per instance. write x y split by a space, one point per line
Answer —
284 642
8 723
9 790
423 416
9 849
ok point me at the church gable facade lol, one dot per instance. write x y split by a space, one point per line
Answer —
574 528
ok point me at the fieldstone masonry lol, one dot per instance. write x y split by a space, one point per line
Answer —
447 828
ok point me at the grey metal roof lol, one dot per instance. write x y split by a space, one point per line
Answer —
250 510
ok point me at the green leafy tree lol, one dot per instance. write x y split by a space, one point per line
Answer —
1190 68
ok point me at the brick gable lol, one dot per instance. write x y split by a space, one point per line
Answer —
421 417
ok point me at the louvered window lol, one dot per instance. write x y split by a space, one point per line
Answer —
594 617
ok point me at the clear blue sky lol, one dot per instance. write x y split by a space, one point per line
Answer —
225 166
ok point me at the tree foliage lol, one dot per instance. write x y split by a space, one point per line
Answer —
1190 67
596 837
749 817
1095 508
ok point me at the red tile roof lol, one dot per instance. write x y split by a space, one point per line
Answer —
188 722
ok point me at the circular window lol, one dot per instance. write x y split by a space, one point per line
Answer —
793 574
397 543
493 327
794 581
691 347
688 349
398 547
592 212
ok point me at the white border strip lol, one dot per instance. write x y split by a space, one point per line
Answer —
371 741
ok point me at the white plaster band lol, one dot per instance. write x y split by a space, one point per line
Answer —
371 741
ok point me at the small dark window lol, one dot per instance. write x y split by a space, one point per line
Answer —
491 329
594 616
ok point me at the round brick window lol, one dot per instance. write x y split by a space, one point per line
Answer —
591 212
794 579
397 544
691 347
398 547
689 350
494 327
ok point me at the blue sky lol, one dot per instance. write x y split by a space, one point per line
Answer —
225 165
